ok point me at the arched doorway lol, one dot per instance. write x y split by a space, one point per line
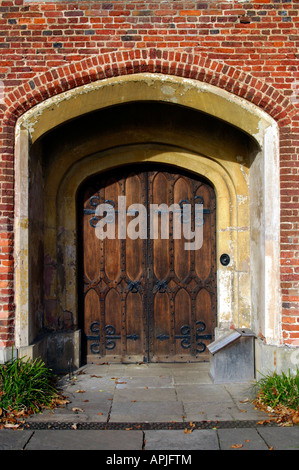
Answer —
145 295
197 128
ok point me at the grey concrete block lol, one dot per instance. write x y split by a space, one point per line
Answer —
207 411
232 357
14 439
205 439
145 394
152 412
283 438
241 439
85 440
203 393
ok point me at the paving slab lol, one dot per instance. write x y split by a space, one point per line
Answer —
187 378
147 412
145 394
241 439
132 382
205 439
209 411
85 440
203 393
82 408
246 411
14 440
281 438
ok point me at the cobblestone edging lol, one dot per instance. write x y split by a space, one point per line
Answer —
149 426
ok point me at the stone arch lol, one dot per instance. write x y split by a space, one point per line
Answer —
187 92
166 62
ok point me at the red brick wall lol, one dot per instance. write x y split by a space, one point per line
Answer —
249 49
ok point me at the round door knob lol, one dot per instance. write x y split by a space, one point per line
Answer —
224 259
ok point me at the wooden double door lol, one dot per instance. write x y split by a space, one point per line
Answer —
145 299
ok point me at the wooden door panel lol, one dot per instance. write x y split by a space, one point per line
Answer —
204 257
148 299
182 330
135 335
91 324
113 324
204 324
112 247
116 332
181 196
160 195
90 243
134 269
160 350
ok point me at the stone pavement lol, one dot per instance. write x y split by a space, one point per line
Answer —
151 407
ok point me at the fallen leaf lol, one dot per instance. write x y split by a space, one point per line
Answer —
74 426
247 440
77 409
237 446
296 418
188 431
146 388
59 401
18 414
133 401
97 376
80 391
243 411
86 401
12 426
128 429
100 414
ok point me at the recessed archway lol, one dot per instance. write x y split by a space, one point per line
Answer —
248 290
